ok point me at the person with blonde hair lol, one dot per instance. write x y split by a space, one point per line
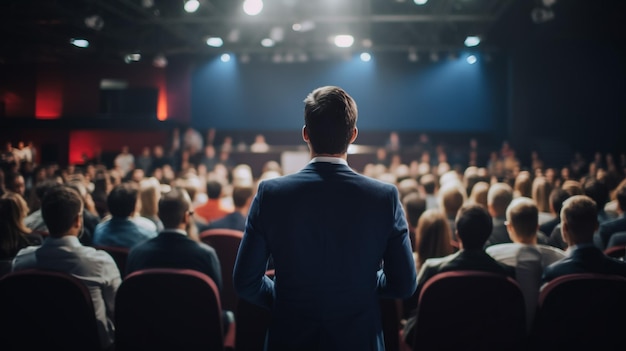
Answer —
478 194
14 235
149 195
540 194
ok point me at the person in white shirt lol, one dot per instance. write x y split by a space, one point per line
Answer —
124 161
62 210
528 257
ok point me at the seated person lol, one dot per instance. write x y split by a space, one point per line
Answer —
579 221
62 209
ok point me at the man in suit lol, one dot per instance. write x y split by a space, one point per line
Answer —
579 220
172 248
607 229
339 242
499 197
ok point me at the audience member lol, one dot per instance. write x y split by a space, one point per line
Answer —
34 221
259 145
478 194
607 229
144 161
172 248
62 212
557 197
499 197
524 253
451 198
327 210
473 227
125 161
14 235
149 195
414 206
429 184
120 230
541 189
212 209
579 221
242 197
209 158
90 219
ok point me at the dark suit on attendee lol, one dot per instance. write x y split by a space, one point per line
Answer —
476 260
329 230
584 259
608 228
173 249
549 226
234 220
499 233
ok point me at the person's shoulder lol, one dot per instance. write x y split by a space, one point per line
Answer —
550 250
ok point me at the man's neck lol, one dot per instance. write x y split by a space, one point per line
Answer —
343 155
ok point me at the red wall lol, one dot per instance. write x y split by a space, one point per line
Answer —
90 142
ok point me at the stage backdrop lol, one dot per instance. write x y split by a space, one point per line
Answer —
391 93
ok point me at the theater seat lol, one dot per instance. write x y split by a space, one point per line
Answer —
583 311
119 255
45 310
470 310
169 309
226 244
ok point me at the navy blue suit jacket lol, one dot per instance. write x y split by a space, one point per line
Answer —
174 250
328 230
584 259
608 228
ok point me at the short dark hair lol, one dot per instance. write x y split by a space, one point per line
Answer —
597 191
241 194
473 225
557 196
213 189
172 207
122 200
580 214
330 116
523 214
59 208
42 187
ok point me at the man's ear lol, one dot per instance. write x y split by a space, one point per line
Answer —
305 134
355 133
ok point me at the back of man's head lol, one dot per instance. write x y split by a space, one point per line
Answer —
414 206
523 215
451 198
42 187
579 218
473 226
330 116
572 187
557 197
597 191
122 200
59 208
499 197
173 206
213 189
429 183
241 195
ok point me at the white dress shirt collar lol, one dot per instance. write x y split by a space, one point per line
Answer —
335 160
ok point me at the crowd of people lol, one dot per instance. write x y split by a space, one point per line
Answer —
483 216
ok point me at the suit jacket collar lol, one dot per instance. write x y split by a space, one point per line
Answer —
327 167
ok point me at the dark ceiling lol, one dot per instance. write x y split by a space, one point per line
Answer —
40 30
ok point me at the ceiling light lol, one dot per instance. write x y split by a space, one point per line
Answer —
366 57
252 7
471 59
303 26
344 41
81 43
225 57
215 42
413 56
94 22
134 57
267 42
420 2
159 61
472 40
192 5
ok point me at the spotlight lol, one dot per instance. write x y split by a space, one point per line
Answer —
366 57
344 41
252 7
192 6
215 42
413 56
134 57
420 2
81 43
159 61
94 22
471 59
472 41
225 57
267 43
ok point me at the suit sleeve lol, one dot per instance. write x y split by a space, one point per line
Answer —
249 277
398 278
